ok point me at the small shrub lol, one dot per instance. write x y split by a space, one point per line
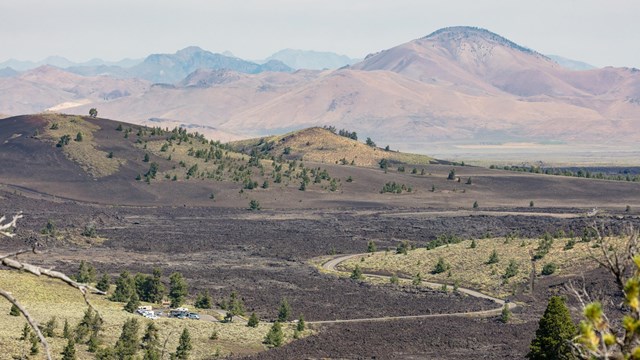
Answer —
417 279
493 258
549 269
441 266
511 270
254 205
356 274
475 204
505 316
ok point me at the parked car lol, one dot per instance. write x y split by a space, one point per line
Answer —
194 316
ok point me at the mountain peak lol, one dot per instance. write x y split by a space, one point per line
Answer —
465 33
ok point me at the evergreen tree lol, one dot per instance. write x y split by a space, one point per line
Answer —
253 320
79 137
301 324
155 287
555 330
505 316
177 289
184 346
275 336
69 352
50 327
127 344
441 266
473 244
14 311
66 330
104 282
235 306
151 342
34 344
93 343
146 157
133 304
125 287
203 301
356 274
26 332
493 258
371 246
86 273
87 325
285 311
394 280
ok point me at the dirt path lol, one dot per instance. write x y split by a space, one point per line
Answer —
332 264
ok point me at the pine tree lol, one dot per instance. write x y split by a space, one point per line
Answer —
285 311
441 266
356 274
555 329
371 246
151 343
66 330
69 352
14 310
235 306
301 324
125 287
394 280
133 304
473 244
127 344
155 287
103 284
493 258
184 346
50 327
275 336
253 320
26 332
93 343
34 344
203 301
505 316
177 289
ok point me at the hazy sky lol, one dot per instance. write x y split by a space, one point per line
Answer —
604 32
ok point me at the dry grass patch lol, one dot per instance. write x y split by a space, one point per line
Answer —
469 266
45 298
321 145
95 162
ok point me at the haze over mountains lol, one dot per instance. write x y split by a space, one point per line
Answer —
458 85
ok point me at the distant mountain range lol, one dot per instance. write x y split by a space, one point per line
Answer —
458 85
312 60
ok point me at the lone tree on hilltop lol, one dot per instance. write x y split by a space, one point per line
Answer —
93 112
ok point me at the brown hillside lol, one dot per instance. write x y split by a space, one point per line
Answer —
323 146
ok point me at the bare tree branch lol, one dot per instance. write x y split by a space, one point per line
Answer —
39 271
32 322
11 224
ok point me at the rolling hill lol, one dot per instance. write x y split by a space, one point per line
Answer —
322 145
111 162
458 86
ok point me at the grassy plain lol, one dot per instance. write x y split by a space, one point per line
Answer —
45 298
469 267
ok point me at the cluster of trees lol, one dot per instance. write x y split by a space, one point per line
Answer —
395 188
342 132
624 175
149 288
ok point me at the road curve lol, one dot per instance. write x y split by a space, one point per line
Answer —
331 265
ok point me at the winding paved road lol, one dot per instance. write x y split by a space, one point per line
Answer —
332 264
